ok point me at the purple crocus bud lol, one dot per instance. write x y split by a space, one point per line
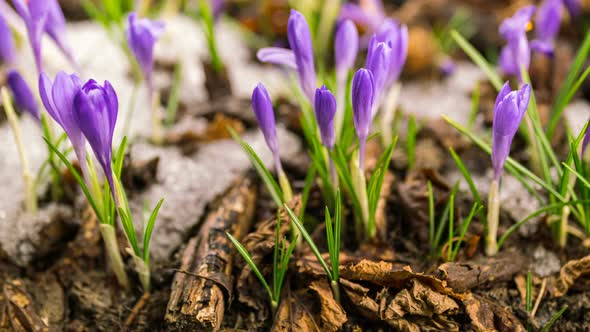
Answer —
95 110
378 61
508 113
217 8
142 35
7 49
346 46
262 105
574 7
23 96
58 99
547 24
56 28
516 54
396 36
277 56
363 94
35 15
324 105
300 42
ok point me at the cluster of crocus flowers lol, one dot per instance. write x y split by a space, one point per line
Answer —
509 110
262 106
299 57
42 16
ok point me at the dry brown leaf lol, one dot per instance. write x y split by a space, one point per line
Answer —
418 304
487 316
358 295
332 315
294 316
568 275
18 312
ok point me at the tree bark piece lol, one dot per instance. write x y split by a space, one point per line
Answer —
202 285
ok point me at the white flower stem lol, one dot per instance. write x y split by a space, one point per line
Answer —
493 219
114 255
360 187
30 192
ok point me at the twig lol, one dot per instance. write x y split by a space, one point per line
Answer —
136 309
538 300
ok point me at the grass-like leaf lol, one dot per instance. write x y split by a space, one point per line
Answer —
309 241
376 183
271 184
553 319
308 183
78 178
147 235
479 60
411 142
120 157
431 213
129 231
474 210
246 255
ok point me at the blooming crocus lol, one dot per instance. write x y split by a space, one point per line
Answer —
516 54
325 109
95 110
7 49
299 57
142 35
300 42
509 110
346 45
574 7
378 61
368 13
363 94
34 13
58 99
547 24
396 36
23 96
262 106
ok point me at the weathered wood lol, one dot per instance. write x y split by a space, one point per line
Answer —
202 285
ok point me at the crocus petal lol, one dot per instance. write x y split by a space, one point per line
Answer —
346 44
502 93
508 113
278 56
56 28
355 13
542 46
45 91
325 110
262 106
363 93
516 54
35 14
217 8
378 61
142 35
23 96
507 61
7 48
586 140
548 19
300 42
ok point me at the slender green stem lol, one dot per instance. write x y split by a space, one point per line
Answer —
493 219
30 193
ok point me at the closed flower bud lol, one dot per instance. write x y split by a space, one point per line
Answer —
346 46
509 110
363 94
262 106
300 42
23 96
378 61
7 49
325 109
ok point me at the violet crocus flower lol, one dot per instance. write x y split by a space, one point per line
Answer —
363 95
23 96
516 54
95 110
58 99
299 57
396 36
324 106
547 24
7 49
300 42
509 110
378 61
56 29
262 105
35 15
346 46
142 35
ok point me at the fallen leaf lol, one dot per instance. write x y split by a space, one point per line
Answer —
332 315
487 316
